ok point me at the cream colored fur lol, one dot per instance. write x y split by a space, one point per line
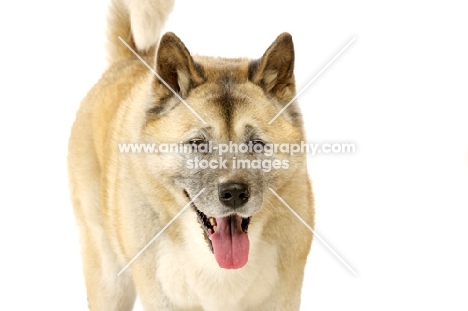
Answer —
121 201
138 22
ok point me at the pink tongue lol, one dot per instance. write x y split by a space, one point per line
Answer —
230 243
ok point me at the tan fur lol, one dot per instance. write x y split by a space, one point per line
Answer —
139 23
121 201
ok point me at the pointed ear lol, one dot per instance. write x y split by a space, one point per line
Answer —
274 72
176 67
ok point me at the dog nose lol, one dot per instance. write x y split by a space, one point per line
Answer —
233 195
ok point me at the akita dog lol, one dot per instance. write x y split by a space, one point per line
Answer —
236 246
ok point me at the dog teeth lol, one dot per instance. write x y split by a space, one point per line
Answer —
212 221
214 229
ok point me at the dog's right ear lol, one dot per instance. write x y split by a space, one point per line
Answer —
176 67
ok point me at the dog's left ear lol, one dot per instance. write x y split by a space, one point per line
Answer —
274 72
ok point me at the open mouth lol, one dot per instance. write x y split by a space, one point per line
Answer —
226 237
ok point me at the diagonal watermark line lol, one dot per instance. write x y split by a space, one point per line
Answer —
313 231
313 79
162 80
160 232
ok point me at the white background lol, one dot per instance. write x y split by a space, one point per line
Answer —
396 210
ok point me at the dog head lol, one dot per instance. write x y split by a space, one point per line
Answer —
203 104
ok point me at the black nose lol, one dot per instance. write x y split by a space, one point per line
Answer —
233 195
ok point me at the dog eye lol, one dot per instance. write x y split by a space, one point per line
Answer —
198 145
196 141
257 146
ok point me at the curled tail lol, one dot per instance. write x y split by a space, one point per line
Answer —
139 23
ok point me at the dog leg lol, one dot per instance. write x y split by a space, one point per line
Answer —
105 290
149 289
